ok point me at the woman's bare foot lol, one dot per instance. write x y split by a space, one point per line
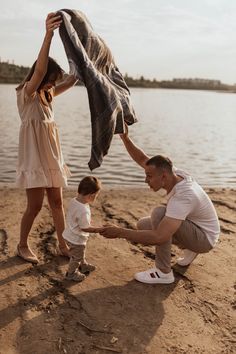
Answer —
25 253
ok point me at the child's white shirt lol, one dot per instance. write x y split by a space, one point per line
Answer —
78 217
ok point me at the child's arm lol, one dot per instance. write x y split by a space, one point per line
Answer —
96 229
92 229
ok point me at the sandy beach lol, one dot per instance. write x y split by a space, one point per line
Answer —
110 312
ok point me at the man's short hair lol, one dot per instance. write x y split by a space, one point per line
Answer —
161 162
89 185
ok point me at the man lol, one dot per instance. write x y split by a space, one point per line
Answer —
188 220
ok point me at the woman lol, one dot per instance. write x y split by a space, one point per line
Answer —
40 162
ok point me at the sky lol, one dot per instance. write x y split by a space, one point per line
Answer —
161 39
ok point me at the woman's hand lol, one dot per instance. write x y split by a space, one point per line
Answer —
53 21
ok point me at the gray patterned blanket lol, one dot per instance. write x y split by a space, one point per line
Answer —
91 61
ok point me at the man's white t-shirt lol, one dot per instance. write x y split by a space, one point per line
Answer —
78 217
187 200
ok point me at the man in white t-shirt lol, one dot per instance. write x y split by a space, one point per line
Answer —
189 219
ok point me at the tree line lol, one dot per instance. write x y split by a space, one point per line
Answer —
14 74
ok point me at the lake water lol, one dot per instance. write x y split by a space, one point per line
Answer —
196 129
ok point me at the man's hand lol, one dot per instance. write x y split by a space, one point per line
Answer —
108 230
126 132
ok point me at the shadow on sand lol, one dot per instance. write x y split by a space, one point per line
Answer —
63 318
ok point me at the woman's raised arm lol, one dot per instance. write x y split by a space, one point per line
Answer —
65 85
53 21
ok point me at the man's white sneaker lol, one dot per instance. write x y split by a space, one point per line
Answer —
155 276
187 258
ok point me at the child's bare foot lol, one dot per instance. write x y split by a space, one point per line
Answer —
26 254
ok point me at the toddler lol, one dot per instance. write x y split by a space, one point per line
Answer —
78 218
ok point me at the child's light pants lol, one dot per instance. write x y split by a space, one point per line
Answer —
77 256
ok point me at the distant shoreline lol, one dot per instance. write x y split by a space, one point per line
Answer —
14 74
160 88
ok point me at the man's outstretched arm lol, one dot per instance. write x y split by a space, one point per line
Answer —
134 151
165 230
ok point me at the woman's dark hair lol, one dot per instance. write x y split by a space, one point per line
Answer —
53 70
